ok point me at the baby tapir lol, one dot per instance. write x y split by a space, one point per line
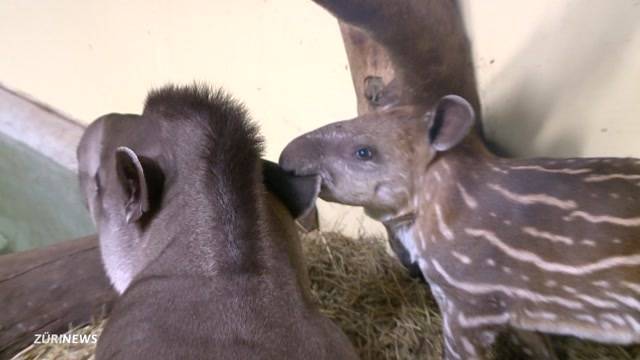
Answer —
207 261
431 57
536 245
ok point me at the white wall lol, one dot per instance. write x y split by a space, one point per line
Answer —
557 77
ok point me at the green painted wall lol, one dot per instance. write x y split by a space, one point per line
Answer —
40 201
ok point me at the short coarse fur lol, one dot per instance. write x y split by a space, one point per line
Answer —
230 145
206 259
232 138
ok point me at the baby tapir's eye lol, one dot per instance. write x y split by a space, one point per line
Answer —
364 153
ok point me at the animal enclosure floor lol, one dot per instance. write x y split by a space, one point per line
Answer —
386 314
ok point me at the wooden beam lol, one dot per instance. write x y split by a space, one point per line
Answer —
367 60
50 289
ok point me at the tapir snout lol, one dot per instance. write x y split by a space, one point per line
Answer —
297 155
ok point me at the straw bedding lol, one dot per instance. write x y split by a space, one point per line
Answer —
386 314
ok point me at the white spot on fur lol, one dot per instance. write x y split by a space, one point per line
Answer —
531 199
569 289
446 166
633 322
476 321
497 169
436 175
444 229
491 262
588 242
605 177
633 286
483 288
614 318
597 302
540 315
596 219
586 317
551 283
450 348
626 300
530 257
468 199
601 283
461 257
468 347
559 171
423 264
547 235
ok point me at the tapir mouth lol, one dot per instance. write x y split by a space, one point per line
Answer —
326 188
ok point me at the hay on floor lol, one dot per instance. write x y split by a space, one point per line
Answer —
386 314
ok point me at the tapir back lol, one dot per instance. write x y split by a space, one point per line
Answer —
265 315
551 245
211 257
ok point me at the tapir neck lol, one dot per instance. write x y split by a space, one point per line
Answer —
455 171
220 230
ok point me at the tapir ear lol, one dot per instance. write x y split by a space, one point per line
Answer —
453 118
298 193
141 180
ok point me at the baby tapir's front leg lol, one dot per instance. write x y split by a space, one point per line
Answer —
462 339
535 344
470 328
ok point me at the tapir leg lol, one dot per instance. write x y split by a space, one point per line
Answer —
466 343
536 345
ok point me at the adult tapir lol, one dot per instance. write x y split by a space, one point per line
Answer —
206 260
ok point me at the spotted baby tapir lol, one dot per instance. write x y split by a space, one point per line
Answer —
532 246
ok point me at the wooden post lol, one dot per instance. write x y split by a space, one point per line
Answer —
367 59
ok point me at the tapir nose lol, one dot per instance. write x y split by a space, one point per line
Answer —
300 156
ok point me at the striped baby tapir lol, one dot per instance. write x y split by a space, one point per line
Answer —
531 246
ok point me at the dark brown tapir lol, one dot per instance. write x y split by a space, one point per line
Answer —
207 261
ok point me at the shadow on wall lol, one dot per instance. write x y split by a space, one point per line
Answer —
563 64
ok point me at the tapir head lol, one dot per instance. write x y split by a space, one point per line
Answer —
121 179
122 176
130 173
373 160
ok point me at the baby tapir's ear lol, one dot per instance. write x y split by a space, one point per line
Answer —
141 180
452 119
297 193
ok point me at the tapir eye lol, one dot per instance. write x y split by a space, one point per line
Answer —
364 153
